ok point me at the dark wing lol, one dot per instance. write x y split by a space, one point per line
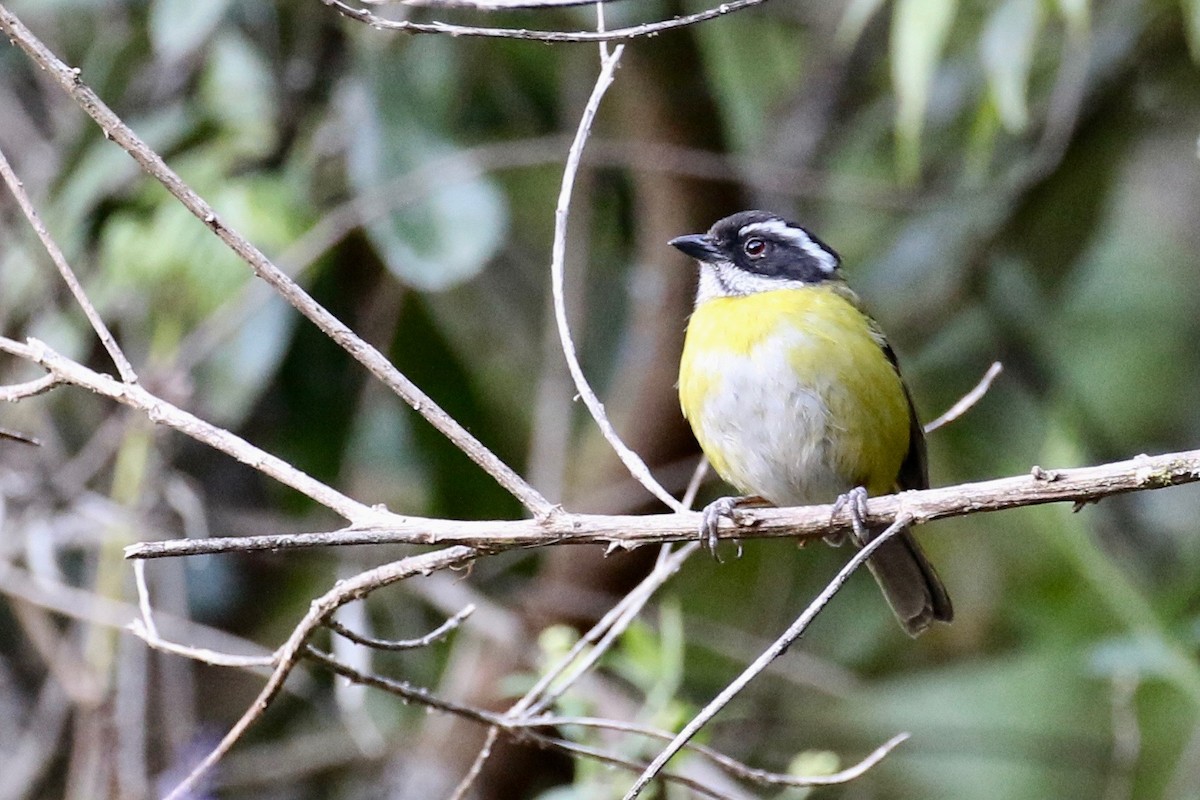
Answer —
914 470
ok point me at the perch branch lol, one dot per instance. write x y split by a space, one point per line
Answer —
1079 485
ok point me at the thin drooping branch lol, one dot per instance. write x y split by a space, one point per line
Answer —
777 648
69 79
616 34
435 635
526 727
632 461
319 611
1078 485
124 368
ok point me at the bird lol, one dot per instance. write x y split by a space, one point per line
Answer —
796 397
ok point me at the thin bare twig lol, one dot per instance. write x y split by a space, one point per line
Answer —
497 722
524 727
696 481
20 391
202 654
490 5
147 631
63 369
81 604
116 130
124 368
590 648
968 400
143 593
438 633
731 765
616 34
17 436
476 768
778 648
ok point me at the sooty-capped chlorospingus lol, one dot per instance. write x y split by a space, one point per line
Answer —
795 395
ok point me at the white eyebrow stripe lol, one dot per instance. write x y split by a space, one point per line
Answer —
796 236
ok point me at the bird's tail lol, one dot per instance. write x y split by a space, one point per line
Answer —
910 584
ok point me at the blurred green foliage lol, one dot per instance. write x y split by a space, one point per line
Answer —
1015 181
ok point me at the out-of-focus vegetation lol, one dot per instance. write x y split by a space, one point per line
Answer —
1015 181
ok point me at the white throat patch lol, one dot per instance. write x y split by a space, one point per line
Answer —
722 279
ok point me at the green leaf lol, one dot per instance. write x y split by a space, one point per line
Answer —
238 91
854 20
1191 26
399 124
178 27
1077 13
755 64
233 382
919 32
1007 49
1143 656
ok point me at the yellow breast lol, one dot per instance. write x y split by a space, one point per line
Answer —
791 396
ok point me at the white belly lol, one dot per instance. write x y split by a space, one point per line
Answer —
771 432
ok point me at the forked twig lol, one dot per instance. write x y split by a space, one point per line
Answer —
370 357
616 34
525 727
777 648
147 631
319 611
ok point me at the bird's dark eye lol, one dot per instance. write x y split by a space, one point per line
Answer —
754 247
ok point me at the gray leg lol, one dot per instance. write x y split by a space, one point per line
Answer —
710 519
855 502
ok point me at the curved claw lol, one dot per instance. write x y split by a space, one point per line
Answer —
710 520
855 502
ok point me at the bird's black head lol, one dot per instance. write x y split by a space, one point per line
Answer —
762 245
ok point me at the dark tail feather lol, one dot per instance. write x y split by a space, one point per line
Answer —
910 584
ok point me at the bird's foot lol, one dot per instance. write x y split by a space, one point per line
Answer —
710 519
854 502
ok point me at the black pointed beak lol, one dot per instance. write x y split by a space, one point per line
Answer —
697 245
